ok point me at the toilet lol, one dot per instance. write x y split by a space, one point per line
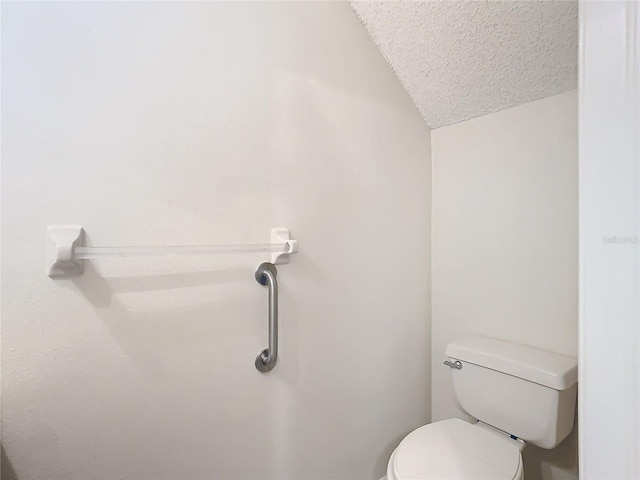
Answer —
517 395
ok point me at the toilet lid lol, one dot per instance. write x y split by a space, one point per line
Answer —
454 449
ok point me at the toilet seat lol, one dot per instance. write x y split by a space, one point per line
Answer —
455 450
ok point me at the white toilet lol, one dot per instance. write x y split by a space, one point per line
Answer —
518 394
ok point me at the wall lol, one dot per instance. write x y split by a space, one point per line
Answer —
609 232
195 123
505 242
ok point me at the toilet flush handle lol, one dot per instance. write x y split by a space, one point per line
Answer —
457 364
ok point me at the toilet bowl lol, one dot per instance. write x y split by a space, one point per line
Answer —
517 394
456 450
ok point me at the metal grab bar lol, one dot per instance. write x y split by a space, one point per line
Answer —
267 358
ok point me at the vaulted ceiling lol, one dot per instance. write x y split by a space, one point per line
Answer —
463 59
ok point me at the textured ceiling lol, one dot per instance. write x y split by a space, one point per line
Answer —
462 59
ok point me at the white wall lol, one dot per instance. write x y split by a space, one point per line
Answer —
505 242
609 231
178 123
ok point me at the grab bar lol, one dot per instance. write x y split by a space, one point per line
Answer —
267 358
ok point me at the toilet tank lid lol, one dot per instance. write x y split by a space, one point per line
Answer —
533 364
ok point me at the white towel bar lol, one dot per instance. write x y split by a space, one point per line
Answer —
66 250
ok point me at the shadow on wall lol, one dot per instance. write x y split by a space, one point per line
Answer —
101 294
6 469
561 462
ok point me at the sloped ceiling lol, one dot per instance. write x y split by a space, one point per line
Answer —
463 59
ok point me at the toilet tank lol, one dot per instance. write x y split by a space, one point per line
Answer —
524 391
